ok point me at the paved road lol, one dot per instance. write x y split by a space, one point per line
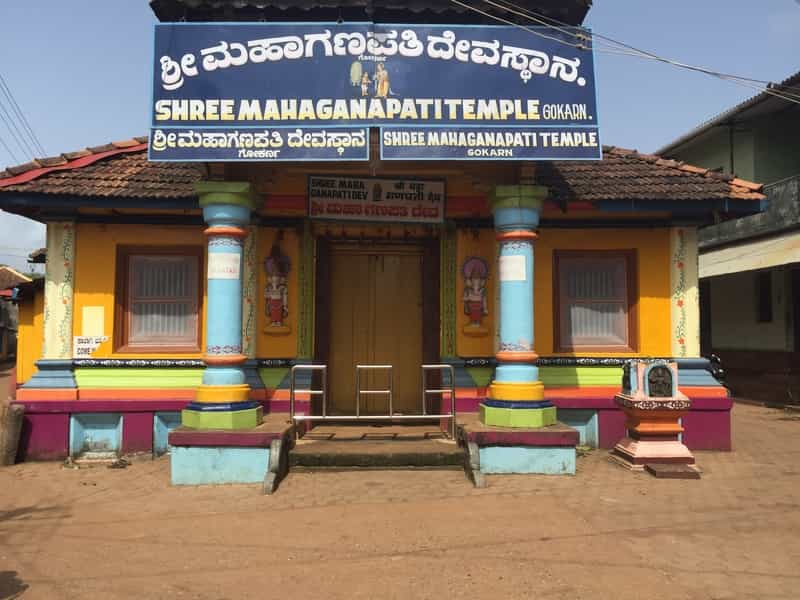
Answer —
604 533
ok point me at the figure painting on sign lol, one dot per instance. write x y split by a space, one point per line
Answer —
357 74
381 81
475 272
276 292
365 84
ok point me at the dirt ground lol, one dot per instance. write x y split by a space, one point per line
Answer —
604 533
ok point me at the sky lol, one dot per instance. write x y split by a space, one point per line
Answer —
80 71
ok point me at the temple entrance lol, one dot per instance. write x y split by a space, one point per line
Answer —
377 303
376 318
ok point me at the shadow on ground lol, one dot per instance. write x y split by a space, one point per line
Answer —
27 512
11 586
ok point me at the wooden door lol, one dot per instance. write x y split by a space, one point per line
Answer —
375 318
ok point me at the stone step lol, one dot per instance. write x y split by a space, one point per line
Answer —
376 454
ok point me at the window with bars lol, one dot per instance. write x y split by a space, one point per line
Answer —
595 300
158 300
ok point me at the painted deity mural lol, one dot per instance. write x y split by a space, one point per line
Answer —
475 272
276 293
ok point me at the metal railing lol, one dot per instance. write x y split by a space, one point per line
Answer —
359 392
441 391
451 389
311 392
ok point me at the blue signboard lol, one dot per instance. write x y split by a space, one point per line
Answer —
488 143
320 77
259 145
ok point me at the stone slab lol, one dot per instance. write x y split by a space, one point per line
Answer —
481 434
274 427
662 471
376 454
202 466
543 460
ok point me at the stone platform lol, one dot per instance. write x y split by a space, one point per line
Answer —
215 456
545 450
376 447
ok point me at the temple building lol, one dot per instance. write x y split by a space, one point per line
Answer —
188 297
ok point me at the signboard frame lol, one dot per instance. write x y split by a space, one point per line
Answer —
592 151
372 219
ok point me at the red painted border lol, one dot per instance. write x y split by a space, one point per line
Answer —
555 435
260 437
83 161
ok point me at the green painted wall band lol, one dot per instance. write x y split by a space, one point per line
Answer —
138 378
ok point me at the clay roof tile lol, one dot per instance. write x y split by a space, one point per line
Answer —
124 171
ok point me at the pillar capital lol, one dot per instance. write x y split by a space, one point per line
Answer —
226 203
517 207
236 193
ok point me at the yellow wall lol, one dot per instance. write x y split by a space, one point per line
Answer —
480 243
281 344
95 271
95 281
30 335
652 246
652 256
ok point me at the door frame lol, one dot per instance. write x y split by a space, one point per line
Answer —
431 319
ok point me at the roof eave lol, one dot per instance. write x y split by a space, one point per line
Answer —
724 117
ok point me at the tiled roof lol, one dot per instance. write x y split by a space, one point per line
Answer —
118 170
121 170
629 175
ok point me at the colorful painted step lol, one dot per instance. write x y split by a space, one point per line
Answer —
545 450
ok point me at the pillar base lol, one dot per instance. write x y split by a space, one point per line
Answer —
231 416
52 373
637 454
529 418
532 391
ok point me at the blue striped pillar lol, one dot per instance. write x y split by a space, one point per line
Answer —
516 396
223 399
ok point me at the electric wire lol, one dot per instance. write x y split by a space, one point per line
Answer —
636 52
4 87
11 126
743 81
13 156
19 134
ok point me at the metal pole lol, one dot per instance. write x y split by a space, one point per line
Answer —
391 389
424 394
291 402
358 390
453 423
291 393
324 390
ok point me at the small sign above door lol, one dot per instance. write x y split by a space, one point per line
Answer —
376 199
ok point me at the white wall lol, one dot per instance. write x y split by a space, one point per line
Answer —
734 313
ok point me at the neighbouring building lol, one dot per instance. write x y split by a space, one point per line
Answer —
750 266
186 292
9 314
